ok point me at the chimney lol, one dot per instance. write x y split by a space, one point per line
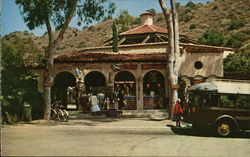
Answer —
147 18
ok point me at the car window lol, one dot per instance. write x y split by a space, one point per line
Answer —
228 101
243 102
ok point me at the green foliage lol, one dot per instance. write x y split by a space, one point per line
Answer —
185 17
241 36
236 25
190 6
115 38
36 13
215 7
152 10
226 22
212 38
91 28
238 62
137 21
125 20
81 45
159 19
234 43
61 47
192 26
19 84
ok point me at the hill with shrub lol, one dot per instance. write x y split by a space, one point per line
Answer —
220 23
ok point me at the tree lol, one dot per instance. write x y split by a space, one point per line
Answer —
125 20
19 84
37 13
237 65
115 38
174 61
152 10
212 37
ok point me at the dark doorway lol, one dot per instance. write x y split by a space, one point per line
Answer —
154 90
94 81
64 89
125 81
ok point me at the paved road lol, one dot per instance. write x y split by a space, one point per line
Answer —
116 137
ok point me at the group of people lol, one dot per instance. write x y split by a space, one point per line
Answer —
93 101
96 102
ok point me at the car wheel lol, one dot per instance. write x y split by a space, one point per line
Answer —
224 129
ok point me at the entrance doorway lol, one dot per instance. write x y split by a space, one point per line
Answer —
64 90
154 90
125 81
94 81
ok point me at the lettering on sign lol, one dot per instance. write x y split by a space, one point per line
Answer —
94 67
61 68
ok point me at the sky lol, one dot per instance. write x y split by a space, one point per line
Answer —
12 20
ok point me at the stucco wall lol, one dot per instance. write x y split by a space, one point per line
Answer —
212 64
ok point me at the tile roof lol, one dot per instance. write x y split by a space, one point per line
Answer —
145 29
110 57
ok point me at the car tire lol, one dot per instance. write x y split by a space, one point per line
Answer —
224 128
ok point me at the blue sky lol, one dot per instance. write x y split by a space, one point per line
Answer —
12 20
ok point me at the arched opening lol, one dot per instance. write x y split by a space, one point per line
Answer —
94 81
64 89
154 90
125 81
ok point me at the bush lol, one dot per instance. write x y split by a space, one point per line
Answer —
212 38
159 19
226 22
61 48
236 25
185 17
234 43
241 36
81 45
137 21
192 26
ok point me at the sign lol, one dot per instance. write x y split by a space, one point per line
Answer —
154 66
47 84
94 67
176 86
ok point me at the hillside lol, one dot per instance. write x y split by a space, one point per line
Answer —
220 15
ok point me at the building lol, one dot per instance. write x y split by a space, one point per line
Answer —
139 68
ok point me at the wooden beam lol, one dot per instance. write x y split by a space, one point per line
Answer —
146 39
122 40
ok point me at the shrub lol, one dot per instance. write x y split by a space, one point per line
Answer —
185 17
81 45
61 48
159 19
215 7
226 22
241 36
236 25
192 26
137 21
234 43
212 38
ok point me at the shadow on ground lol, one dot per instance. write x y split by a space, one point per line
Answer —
205 132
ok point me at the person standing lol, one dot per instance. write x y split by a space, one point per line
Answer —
101 98
84 102
120 99
177 112
95 109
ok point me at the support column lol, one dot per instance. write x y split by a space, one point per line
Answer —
139 88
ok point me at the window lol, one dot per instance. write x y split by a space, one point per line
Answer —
243 102
228 101
198 65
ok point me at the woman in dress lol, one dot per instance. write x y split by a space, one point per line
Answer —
94 104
